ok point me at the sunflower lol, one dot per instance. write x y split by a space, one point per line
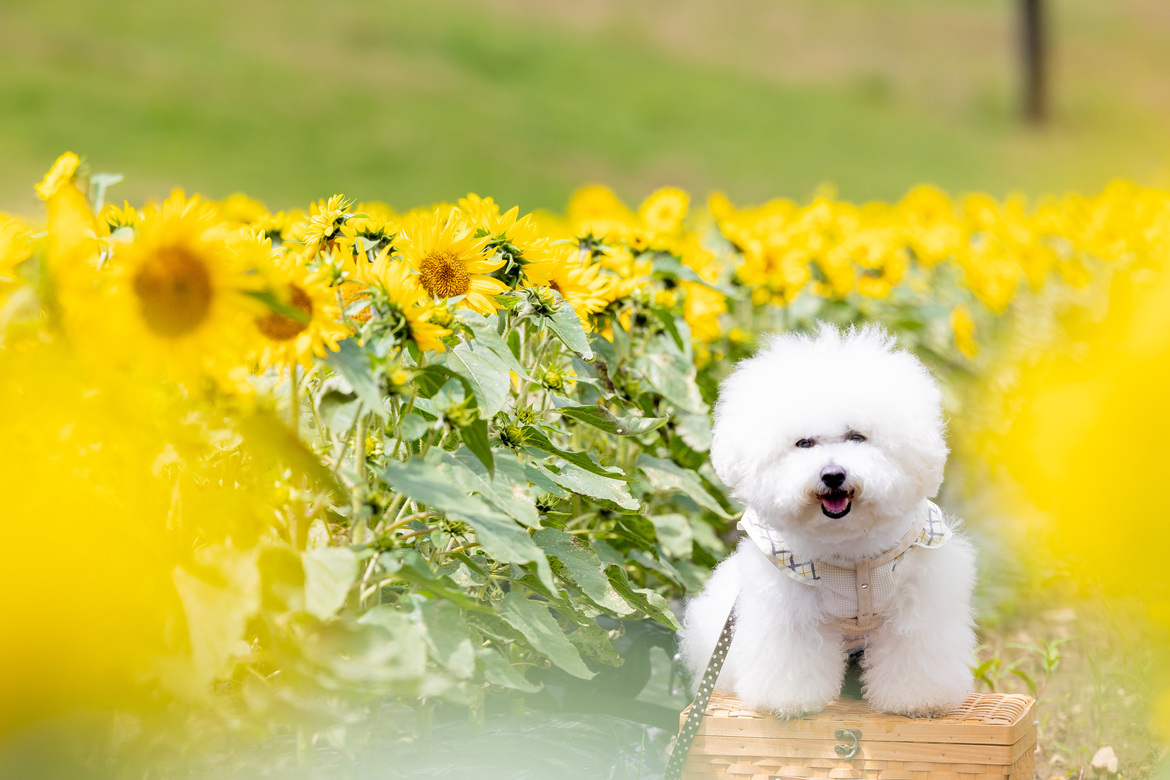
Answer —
240 210
579 281
450 261
16 246
281 226
627 275
326 218
401 305
63 173
117 217
665 210
176 299
516 240
369 233
282 338
963 328
521 237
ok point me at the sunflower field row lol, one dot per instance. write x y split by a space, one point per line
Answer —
273 471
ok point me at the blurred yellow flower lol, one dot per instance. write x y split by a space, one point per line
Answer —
579 281
175 298
63 172
281 338
963 329
665 210
16 246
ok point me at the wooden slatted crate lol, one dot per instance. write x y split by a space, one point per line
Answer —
991 736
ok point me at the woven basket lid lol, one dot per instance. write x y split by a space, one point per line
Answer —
983 719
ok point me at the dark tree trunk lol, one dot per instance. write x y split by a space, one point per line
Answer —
1033 46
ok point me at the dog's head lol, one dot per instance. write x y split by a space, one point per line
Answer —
833 439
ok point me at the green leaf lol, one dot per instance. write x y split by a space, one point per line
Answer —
329 573
396 652
487 334
646 600
586 483
592 641
353 363
338 410
600 417
637 529
695 431
409 566
660 566
475 436
582 565
497 671
606 353
506 488
541 480
708 541
98 184
670 323
282 579
268 439
667 477
674 534
420 481
567 325
487 375
431 379
413 427
674 379
498 534
278 306
448 636
540 628
535 437
667 265
217 614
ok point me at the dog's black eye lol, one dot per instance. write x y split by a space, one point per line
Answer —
856 437
805 443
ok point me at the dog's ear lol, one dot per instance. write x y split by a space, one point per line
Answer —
726 457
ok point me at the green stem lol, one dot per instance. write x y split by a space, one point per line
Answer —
359 467
475 713
294 399
413 534
395 505
436 439
407 520
535 369
409 408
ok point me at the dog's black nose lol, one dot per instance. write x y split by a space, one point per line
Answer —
833 477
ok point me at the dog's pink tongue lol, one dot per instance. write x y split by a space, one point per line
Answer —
835 504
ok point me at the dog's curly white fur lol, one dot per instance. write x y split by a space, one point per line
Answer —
806 412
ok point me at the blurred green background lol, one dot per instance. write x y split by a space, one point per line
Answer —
525 100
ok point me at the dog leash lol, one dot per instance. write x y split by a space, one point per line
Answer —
682 746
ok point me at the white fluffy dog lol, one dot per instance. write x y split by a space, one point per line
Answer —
834 445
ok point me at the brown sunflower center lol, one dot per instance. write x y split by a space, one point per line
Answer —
279 327
443 274
174 291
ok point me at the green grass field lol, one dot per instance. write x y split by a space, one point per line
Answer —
527 99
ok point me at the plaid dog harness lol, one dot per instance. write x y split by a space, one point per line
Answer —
858 596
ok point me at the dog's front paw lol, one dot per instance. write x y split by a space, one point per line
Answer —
934 703
922 710
785 708
791 713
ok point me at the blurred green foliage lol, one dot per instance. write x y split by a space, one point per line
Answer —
413 102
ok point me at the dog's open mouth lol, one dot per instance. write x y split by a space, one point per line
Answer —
836 503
